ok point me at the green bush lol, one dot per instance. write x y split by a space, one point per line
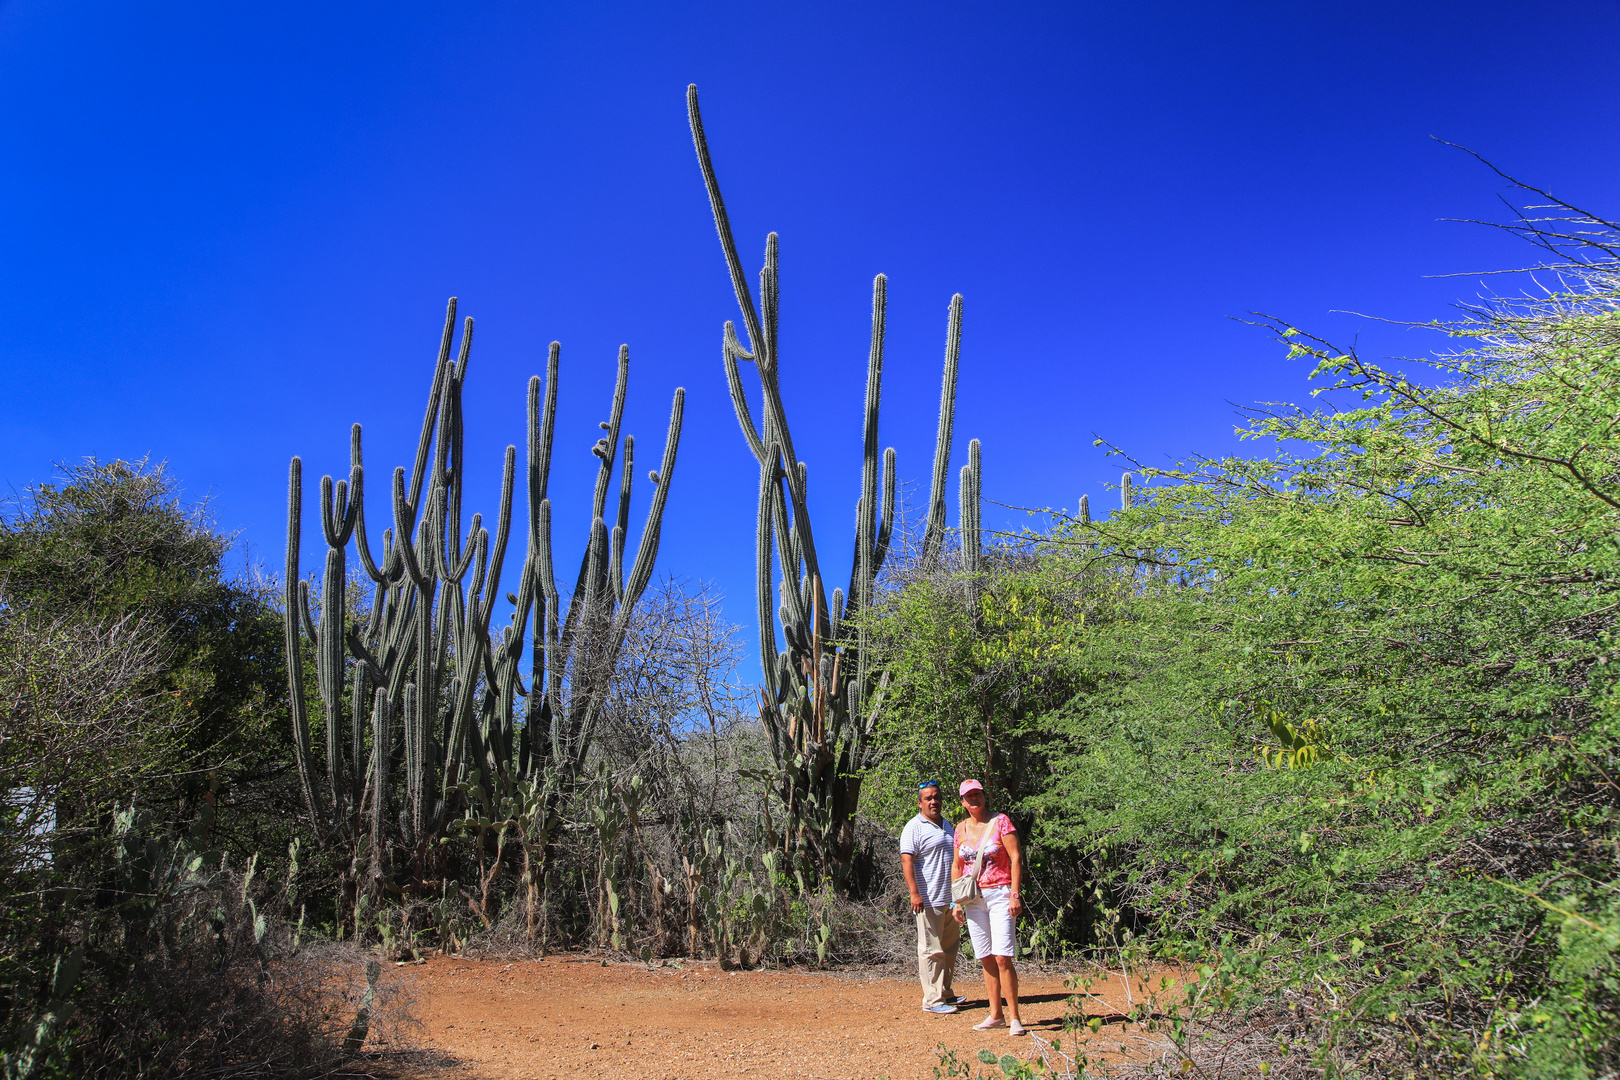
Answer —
1348 736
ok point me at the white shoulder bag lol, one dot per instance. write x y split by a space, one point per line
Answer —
966 887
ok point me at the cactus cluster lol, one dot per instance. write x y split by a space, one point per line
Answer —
822 692
420 696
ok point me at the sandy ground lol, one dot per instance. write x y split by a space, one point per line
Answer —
575 1017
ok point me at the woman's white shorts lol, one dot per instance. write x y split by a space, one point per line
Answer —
990 924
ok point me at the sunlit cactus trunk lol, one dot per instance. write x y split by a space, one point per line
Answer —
443 726
822 692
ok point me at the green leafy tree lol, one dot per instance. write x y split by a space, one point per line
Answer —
113 544
1348 738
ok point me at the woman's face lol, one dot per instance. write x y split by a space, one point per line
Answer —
974 800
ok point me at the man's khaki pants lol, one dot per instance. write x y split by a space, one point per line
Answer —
937 937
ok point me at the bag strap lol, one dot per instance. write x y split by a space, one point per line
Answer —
978 860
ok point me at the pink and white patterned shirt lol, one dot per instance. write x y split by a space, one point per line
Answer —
997 869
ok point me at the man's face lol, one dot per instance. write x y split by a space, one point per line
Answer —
928 802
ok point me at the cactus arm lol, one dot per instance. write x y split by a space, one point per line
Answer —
934 535
466 351
733 351
446 624
886 520
647 552
306 617
578 599
424 699
608 447
451 551
379 608
403 657
1083 514
775 410
616 564
404 525
542 428
330 649
381 751
357 745
358 505
465 696
763 583
413 760
424 444
291 617
368 661
789 558
964 494
622 519
585 719
548 647
458 570
503 529
478 548
441 475
393 567
596 585
971 480
512 634
804 544
867 538
760 339
722 222
327 528
864 569
543 567
1125 491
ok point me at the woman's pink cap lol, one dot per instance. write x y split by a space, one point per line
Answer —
967 786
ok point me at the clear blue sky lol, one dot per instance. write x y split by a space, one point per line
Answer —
228 231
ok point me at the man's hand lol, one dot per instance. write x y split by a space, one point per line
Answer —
958 913
916 903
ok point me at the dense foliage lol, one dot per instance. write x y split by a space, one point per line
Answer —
1346 733
1334 725
139 687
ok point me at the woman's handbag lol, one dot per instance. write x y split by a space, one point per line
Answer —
966 887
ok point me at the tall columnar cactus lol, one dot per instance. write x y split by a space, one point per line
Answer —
429 683
822 690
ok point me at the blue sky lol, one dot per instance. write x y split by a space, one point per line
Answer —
227 231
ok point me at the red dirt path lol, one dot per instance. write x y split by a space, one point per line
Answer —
574 1017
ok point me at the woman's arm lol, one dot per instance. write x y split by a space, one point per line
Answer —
956 871
1015 903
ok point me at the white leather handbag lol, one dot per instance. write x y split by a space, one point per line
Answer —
966 887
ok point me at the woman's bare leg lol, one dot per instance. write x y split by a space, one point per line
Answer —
992 985
1009 983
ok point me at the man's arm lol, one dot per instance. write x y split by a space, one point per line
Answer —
908 867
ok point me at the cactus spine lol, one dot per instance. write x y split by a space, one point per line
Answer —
822 690
442 688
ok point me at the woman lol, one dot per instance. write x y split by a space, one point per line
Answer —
991 915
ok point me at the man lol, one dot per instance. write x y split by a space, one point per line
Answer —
927 846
